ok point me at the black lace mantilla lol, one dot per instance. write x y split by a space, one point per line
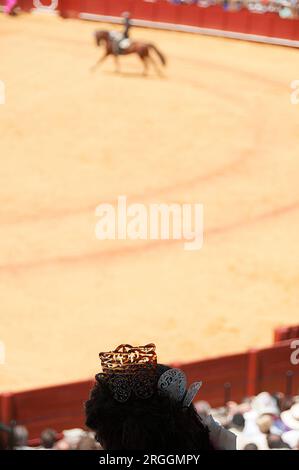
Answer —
142 384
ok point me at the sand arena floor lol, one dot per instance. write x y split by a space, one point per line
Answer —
218 129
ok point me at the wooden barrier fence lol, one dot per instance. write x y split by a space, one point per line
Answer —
214 19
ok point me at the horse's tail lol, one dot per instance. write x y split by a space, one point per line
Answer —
159 53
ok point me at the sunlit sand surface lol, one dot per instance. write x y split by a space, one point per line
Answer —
218 129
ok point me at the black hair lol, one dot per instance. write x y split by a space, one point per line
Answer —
155 423
251 446
276 442
48 438
238 420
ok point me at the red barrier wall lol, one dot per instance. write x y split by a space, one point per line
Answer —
247 374
59 407
273 365
226 371
213 17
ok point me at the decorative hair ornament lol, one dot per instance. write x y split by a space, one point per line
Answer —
173 383
127 358
132 370
191 393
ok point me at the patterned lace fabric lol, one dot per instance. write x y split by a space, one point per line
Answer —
141 384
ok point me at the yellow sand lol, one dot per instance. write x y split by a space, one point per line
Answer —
218 129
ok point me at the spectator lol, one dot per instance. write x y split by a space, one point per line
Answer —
48 438
291 419
62 444
73 437
88 442
264 403
276 442
251 446
20 438
264 423
237 427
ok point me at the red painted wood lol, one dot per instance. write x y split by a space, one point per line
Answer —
117 7
273 364
252 372
215 373
26 5
166 12
6 408
96 7
144 10
259 24
201 18
70 8
282 28
60 407
6 415
237 21
214 17
189 15
296 30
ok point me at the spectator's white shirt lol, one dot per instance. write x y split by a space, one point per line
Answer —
251 433
24 448
291 438
242 440
251 428
259 439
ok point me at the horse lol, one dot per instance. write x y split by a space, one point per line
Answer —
142 49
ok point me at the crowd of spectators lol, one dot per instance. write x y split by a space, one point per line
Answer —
263 422
284 8
71 439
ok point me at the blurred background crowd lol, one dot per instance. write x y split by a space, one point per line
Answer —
284 8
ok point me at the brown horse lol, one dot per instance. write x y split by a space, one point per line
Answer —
142 49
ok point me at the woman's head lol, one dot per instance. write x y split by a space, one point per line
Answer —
156 422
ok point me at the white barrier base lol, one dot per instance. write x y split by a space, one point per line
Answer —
44 11
193 29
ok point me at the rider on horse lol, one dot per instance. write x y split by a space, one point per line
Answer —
127 23
121 40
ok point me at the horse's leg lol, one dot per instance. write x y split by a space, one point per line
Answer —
157 69
116 61
99 61
145 63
